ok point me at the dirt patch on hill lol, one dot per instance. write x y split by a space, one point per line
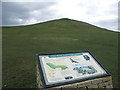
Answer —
55 38
61 38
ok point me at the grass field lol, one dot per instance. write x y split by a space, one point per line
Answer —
22 43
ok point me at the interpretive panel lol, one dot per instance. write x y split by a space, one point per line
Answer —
69 67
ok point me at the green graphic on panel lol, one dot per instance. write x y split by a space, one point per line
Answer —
63 67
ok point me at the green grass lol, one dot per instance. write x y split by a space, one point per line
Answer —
22 43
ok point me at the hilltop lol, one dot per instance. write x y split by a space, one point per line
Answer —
22 43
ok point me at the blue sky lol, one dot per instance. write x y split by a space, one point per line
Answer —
102 13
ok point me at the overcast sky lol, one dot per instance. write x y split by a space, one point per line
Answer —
102 13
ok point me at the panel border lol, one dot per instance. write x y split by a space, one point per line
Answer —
42 74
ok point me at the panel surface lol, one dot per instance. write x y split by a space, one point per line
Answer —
69 67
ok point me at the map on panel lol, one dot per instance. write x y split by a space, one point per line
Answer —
69 67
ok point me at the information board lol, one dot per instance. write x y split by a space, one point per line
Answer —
58 69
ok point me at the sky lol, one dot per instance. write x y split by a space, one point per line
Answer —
102 13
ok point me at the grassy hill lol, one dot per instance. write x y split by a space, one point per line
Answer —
22 43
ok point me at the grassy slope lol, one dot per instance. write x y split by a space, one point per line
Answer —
22 43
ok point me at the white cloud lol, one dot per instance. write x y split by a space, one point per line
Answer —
27 0
31 21
20 20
